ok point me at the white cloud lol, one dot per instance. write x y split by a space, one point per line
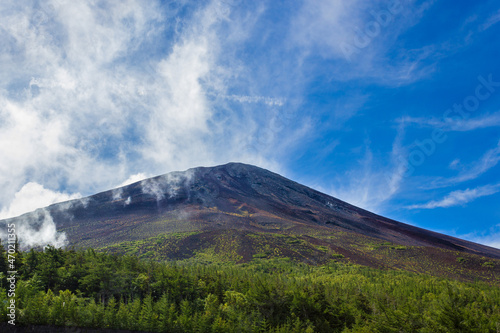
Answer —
459 197
271 101
362 32
372 185
454 164
62 107
327 24
166 186
33 196
492 240
38 229
492 20
94 94
459 125
488 161
134 178
490 237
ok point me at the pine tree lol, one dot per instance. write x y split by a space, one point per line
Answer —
135 314
30 263
110 314
148 316
123 316
166 314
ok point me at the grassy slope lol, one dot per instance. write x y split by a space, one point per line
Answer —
242 246
238 236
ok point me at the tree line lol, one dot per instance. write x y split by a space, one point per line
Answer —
90 289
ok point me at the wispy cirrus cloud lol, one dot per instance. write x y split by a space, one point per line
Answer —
362 32
488 160
459 125
491 21
271 101
459 197
373 183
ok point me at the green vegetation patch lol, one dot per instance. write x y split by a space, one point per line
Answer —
160 247
489 264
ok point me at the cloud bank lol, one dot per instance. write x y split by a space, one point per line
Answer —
460 197
33 196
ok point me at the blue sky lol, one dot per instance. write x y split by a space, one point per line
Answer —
393 106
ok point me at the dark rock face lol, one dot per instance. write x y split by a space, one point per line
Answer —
234 196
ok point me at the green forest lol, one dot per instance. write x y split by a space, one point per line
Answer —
85 288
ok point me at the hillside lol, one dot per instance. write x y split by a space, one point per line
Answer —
237 212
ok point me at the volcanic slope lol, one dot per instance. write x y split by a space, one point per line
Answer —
238 212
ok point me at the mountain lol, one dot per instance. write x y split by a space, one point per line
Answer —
238 212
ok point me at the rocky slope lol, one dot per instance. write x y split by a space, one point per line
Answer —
238 212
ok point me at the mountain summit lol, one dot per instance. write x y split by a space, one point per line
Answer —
239 212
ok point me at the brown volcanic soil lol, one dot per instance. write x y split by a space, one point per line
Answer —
244 212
